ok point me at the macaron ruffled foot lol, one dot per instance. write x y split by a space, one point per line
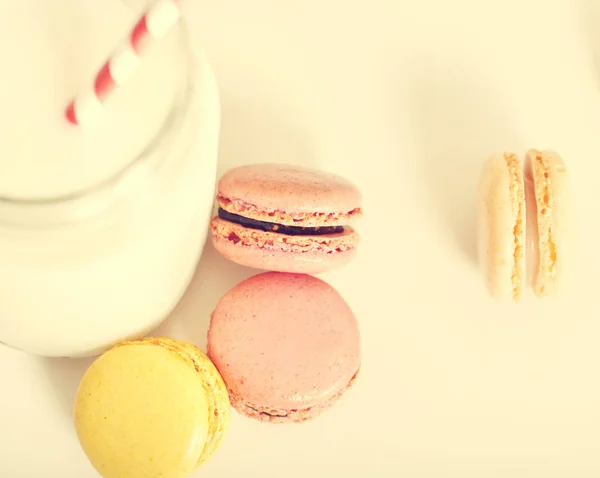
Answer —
524 230
150 408
286 345
286 218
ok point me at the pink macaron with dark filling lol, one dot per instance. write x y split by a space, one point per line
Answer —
286 218
286 345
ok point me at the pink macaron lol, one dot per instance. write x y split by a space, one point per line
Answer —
286 218
286 345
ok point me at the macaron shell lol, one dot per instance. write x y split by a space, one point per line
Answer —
289 189
284 341
216 392
313 262
128 402
553 204
501 226
282 416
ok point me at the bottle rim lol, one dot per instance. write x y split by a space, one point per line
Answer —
89 200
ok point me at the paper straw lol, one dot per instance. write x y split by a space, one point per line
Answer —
88 106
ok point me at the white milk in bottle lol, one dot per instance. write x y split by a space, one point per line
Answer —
100 228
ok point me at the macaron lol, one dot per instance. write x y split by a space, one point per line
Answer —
286 218
524 234
149 408
286 345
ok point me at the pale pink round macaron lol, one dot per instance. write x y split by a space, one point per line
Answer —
286 218
286 345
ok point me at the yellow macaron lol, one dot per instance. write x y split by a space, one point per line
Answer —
154 407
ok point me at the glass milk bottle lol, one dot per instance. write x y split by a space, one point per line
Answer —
101 228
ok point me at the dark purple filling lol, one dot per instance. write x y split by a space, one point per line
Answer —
279 228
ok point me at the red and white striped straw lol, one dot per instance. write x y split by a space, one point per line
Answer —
87 107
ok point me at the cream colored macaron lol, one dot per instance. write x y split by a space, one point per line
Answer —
523 226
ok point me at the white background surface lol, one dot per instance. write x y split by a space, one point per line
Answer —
406 98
